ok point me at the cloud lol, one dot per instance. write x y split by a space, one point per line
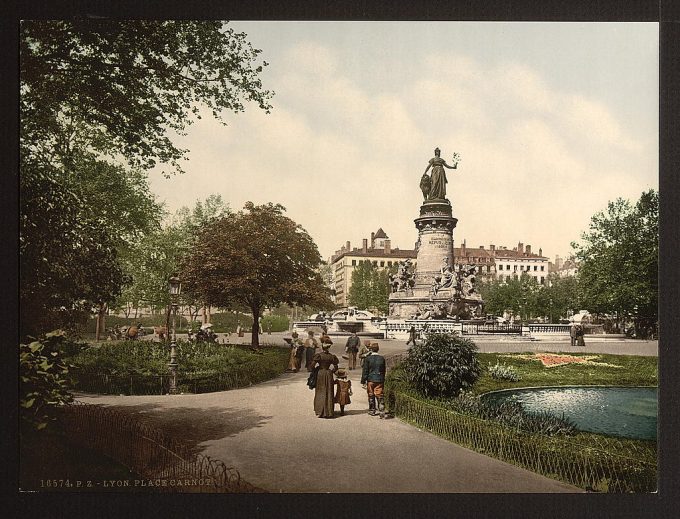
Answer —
346 158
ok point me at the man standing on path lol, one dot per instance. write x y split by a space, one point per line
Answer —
373 378
411 336
352 348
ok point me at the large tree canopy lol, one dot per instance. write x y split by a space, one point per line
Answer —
619 257
257 258
99 102
118 87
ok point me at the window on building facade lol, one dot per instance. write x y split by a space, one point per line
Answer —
354 263
375 263
542 268
515 268
542 280
382 263
535 267
389 263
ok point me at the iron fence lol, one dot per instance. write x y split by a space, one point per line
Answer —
163 463
585 466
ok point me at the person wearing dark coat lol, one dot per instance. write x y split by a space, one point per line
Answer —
411 336
373 378
323 392
352 348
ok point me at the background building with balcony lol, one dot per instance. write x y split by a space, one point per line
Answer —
513 263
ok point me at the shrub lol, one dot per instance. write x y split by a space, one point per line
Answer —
44 380
503 372
443 365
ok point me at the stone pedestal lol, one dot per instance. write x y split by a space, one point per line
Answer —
434 250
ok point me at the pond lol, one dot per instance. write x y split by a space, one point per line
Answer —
628 412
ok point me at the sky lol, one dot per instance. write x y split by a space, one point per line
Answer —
551 121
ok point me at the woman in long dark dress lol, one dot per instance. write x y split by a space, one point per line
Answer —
323 393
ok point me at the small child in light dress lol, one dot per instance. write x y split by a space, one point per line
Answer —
343 390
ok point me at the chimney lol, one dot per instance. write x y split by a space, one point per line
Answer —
462 249
347 246
540 252
492 247
528 249
481 247
364 247
388 246
520 247
372 240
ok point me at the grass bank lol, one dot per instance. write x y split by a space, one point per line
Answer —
599 370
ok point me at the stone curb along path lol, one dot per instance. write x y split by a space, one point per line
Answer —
270 434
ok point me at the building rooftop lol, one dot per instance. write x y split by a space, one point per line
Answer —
380 234
376 253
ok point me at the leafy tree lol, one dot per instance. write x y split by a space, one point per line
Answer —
559 296
618 256
258 258
68 257
370 287
443 365
519 296
118 87
362 281
98 101
44 380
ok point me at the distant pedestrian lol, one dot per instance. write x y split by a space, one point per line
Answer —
572 334
411 336
364 351
580 332
299 354
292 360
373 379
323 391
311 345
352 348
343 390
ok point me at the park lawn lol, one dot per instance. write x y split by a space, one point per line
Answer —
631 370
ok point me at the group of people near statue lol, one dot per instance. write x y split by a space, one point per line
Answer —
330 383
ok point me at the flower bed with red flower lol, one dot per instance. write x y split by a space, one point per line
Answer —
551 360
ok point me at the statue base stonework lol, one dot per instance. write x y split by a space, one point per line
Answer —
434 254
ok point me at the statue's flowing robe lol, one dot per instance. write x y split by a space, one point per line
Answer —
438 179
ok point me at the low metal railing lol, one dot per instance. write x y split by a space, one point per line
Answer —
168 464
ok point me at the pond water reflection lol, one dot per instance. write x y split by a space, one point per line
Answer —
628 412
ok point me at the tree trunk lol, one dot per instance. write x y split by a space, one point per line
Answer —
204 315
255 330
101 322
208 313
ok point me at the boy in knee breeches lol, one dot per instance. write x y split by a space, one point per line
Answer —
373 379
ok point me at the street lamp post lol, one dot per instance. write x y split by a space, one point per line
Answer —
174 288
550 309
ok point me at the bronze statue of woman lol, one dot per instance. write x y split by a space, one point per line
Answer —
438 180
